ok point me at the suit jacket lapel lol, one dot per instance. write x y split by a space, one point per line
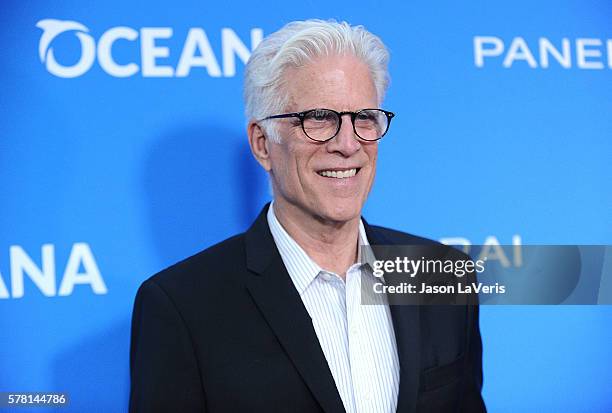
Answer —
406 323
406 326
281 305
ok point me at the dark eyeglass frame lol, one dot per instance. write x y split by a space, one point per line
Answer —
302 115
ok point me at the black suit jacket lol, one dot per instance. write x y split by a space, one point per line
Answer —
226 331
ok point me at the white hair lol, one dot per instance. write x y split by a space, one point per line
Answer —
296 44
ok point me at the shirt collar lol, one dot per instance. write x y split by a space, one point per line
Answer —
301 268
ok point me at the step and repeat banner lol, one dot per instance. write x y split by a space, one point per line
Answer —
123 150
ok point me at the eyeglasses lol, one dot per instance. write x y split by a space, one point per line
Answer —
322 125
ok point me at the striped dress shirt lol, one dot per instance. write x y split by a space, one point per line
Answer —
357 340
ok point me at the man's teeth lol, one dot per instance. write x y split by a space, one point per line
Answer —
339 174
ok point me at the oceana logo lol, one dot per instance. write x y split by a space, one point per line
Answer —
196 51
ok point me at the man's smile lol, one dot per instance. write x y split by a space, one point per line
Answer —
339 173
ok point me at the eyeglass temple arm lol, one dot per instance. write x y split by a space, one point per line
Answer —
284 115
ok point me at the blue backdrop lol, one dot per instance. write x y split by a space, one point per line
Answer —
123 149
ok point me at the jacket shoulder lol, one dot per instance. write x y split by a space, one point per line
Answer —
390 236
209 268
395 237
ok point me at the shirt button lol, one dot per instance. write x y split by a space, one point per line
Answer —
326 276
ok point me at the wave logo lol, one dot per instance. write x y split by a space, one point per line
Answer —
196 52
51 29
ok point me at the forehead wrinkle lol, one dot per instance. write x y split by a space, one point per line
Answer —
315 85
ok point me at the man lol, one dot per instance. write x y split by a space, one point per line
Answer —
271 320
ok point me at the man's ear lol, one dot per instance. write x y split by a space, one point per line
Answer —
259 145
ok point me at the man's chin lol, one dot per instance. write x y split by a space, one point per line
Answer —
339 212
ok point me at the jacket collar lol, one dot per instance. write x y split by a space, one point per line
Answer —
276 297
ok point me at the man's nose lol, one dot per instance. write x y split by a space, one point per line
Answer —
345 142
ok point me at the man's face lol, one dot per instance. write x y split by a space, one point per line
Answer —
341 83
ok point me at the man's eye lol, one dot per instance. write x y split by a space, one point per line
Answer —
319 115
365 116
